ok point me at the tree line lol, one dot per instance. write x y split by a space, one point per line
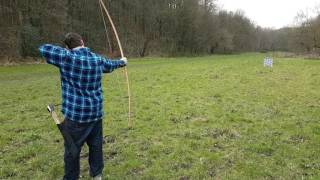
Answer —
146 28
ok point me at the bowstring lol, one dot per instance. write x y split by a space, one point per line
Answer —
106 29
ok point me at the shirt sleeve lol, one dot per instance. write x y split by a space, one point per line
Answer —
110 65
54 55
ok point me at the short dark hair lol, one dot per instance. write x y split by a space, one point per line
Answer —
73 40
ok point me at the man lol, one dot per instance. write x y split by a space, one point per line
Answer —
81 73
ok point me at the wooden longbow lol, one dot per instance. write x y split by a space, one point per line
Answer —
104 8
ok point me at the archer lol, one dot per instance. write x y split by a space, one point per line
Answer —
82 102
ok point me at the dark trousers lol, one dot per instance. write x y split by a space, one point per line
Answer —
91 133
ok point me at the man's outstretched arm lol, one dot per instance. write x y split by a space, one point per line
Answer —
111 65
54 55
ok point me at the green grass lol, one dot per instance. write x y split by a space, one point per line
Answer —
219 117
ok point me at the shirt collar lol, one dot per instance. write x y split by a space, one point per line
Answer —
80 48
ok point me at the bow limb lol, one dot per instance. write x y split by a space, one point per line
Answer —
122 56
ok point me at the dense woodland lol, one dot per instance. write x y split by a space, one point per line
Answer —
147 28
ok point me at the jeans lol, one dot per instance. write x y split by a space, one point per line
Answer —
91 133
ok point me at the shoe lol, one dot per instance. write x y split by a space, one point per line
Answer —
98 177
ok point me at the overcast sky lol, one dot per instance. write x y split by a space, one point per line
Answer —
270 13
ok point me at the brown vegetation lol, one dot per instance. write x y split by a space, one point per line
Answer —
147 28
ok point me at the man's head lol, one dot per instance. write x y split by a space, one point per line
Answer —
73 40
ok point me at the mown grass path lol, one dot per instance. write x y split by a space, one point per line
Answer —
219 117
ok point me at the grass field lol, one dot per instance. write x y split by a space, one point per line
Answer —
218 117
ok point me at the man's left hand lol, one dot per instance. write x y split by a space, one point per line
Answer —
124 59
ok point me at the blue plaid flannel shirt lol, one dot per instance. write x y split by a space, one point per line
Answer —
81 74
